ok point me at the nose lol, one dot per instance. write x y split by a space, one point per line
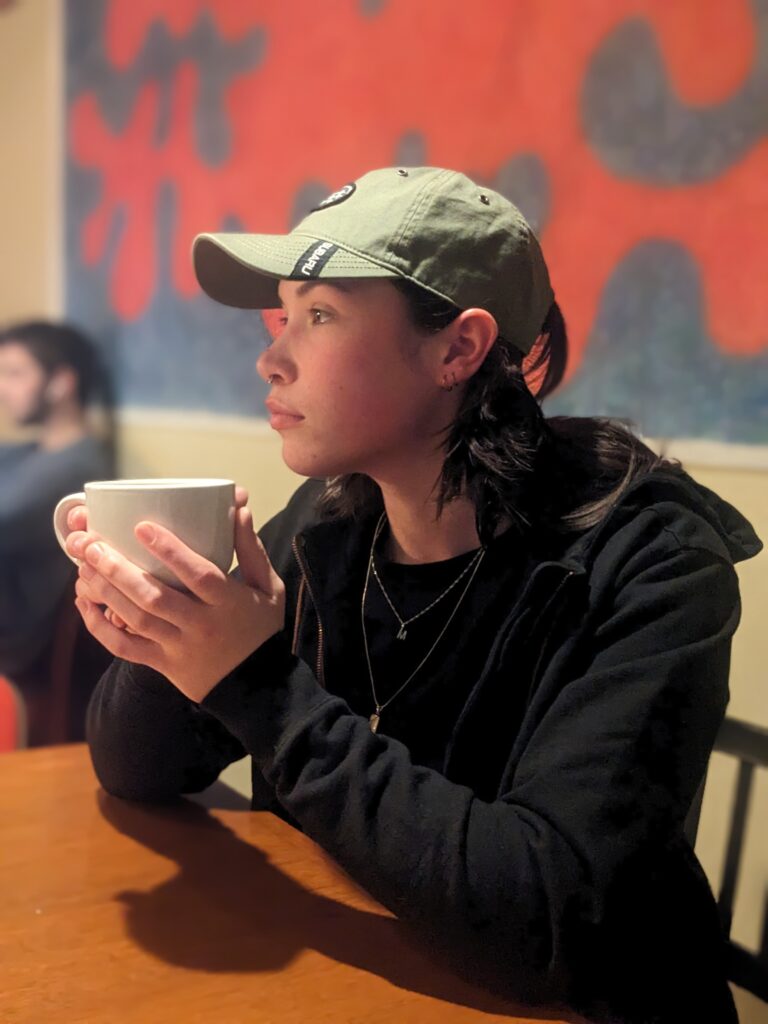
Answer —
275 362
262 371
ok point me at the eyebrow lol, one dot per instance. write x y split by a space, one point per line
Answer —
306 286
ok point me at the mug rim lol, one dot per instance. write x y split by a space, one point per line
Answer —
158 484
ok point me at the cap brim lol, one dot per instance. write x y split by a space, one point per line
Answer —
244 270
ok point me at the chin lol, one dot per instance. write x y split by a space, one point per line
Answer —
318 464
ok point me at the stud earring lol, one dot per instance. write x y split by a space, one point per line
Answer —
449 384
270 379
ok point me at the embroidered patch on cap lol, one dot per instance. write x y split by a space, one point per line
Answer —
336 197
313 259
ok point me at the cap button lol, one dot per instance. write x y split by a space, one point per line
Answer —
402 172
484 199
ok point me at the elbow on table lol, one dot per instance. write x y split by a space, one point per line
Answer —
120 780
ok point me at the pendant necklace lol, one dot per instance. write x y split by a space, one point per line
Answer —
474 565
402 632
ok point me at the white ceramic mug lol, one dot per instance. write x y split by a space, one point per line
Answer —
200 512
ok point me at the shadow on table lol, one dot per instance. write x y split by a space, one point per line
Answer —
230 909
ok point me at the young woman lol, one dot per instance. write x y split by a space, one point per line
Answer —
482 656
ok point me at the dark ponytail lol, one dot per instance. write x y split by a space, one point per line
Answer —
545 365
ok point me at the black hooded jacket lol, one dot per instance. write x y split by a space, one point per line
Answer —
547 858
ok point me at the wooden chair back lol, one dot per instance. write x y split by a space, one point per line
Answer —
749 745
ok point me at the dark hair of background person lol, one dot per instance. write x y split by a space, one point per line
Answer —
563 473
57 346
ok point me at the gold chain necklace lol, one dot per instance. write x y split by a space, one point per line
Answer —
376 716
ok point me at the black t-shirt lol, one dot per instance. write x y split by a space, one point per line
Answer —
424 713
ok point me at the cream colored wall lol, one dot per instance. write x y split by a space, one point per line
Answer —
30 162
30 158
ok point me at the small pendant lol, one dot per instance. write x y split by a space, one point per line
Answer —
402 633
374 722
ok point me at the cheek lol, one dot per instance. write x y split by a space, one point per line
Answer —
16 395
381 414
368 392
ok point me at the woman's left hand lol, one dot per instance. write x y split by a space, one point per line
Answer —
194 638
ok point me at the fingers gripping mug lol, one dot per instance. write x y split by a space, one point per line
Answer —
201 512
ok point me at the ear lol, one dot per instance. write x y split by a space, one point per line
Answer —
62 384
469 339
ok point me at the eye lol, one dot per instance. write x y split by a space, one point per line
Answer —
319 316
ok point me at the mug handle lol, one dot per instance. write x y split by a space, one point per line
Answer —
60 514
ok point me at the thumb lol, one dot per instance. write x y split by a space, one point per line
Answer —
255 567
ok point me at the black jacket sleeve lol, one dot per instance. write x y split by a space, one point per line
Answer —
150 742
614 761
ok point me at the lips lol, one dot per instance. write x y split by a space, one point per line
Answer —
282 416
281 410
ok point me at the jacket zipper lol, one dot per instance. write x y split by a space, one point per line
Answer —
297 616
319 671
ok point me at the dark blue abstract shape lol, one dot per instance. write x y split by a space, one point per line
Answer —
649 358
217 60
639 127
524 180
307 197
371 7
411 150
189 354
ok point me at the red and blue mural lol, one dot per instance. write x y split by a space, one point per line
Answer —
632 133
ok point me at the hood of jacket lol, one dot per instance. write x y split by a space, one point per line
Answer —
698 516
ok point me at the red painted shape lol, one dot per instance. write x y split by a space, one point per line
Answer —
708 46
480 84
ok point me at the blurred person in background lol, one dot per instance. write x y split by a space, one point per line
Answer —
49 375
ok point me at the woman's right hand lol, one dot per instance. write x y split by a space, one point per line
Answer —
79 538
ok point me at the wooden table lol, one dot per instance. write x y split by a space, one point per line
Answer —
117 912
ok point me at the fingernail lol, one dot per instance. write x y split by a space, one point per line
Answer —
94 553
145 533
77 546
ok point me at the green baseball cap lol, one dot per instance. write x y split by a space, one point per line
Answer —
464 242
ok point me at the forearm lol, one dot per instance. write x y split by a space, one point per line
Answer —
148 741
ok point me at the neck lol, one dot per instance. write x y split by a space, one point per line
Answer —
64 426
417 534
